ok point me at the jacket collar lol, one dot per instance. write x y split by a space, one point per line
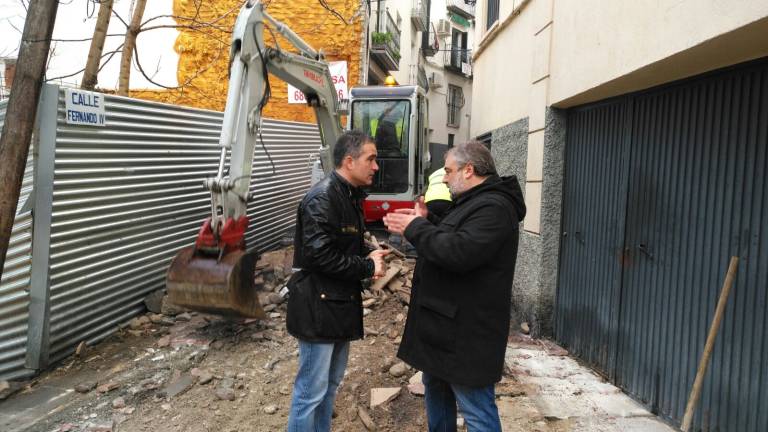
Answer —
349 190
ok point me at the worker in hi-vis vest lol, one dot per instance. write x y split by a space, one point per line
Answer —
438 197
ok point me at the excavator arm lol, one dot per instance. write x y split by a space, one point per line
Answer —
216 274
251 62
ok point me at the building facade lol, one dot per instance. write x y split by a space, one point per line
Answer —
204 55
638 130
428 43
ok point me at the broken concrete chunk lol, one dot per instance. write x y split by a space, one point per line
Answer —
118 403
179 386
524 327
368 303
416 378
154 301
107 387
183 317
416 389
381 396
164 341
169 308
366 311
85 387
398 370
274 298
226 394
395 284
366 419
80 350
270 409
380 283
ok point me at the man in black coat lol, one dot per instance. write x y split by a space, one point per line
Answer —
324 305
458 320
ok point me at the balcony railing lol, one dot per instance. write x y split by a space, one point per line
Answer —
458 59
385 42
462 8
419 15
432 45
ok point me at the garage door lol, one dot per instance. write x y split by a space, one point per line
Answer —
662 188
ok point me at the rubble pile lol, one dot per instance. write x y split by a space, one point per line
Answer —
175 369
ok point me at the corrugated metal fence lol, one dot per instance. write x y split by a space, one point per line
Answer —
14 299
126 197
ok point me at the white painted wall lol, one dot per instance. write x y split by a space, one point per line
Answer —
596 41
600 48
155 47
502 72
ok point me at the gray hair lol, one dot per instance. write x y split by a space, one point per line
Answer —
476 154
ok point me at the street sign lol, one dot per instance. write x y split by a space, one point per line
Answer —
85 108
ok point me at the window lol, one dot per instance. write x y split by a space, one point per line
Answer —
491 13
451 137
455 103
387 122
458 49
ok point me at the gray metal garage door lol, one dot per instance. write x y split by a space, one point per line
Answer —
662 188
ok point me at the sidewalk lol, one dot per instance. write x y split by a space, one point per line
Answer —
552 392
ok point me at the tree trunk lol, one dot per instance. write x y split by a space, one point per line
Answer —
22 107
128 46
90 76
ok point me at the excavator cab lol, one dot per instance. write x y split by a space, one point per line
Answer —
396 118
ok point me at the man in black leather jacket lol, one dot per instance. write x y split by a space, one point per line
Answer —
325 308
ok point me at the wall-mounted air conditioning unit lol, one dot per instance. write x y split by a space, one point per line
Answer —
436 80
443 28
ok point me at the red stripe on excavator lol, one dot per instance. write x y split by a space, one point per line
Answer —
374 210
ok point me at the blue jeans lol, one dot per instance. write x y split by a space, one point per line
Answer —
477 405
321 368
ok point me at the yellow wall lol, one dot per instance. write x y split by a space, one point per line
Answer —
204 57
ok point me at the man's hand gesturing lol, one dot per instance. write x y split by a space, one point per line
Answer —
380 267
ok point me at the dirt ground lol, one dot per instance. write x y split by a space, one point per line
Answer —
197 372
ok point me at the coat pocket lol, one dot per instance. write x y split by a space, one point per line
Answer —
437 325
301 319
339 314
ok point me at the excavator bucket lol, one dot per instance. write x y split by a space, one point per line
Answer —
207 284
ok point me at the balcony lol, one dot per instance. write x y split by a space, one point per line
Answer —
430 43
419 15
385 42
461 7
458 60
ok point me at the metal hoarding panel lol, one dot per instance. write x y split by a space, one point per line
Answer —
14 284
128 196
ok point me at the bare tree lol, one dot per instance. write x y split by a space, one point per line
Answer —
90 76
128 47
22 107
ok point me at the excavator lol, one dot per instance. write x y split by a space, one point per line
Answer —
216 274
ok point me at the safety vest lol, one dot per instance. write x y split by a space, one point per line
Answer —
398 128
436 189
